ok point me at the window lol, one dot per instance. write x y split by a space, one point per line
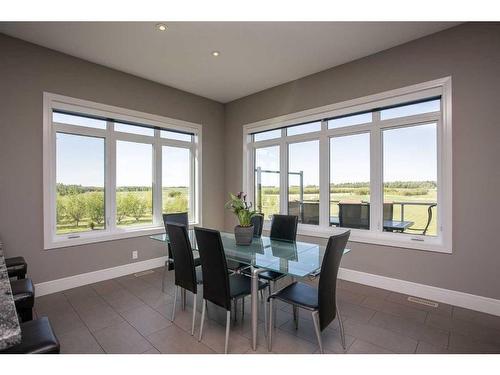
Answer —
379 166
106 176
134 184
176 136
350 181
267 135
267 180
177 182
133 129
304 128
410 177
80 203
340 122
303 181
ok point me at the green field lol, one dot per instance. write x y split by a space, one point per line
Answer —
357 194
81 209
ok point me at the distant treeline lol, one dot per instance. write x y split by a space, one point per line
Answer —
63 189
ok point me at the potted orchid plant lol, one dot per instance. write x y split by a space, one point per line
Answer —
243 232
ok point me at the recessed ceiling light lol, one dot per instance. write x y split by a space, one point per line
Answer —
161 26
215 53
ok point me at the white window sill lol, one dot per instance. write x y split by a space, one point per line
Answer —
104 236
400 240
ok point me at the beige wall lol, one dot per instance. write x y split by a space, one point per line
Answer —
469 53
26 71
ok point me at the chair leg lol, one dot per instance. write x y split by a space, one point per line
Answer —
164 276
270 329
295 310
204 306
274 309
341 327
265 318
228 324
183 299
315 317
235 303
242 309
175 302
194 314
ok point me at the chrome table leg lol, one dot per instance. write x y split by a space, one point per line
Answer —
255 303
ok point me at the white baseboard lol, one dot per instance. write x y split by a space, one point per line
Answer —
65 283
451 297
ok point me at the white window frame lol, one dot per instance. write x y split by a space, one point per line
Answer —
53 102
442 242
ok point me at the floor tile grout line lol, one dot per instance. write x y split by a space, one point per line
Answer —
86 326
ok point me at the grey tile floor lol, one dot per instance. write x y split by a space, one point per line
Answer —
130 314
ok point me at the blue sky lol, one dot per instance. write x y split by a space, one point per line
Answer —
409 155
80 161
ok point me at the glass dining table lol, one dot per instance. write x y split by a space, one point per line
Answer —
296 259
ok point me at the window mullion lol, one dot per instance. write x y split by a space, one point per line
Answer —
110 178
283 173
324 178
376 173
157 180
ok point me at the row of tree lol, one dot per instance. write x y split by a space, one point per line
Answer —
75 208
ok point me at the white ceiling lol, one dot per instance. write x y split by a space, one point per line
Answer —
254 55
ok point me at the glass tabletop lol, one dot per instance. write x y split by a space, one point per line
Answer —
298 259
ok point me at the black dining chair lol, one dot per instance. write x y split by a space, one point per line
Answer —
258 223
321 301
284 227
179 218
219 287
187 276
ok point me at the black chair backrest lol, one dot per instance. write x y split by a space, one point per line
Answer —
328 278
354 215
213 267
388 211
178 217
284 227
258 223
182 253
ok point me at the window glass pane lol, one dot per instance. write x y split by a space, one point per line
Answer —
350 181
80 183
341 122
64 118
411 109
304 128
410 179
270 134
134 181
126 128
267 180
176 180
303 181
176 136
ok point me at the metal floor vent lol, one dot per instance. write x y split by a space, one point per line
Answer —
423 301
143 273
